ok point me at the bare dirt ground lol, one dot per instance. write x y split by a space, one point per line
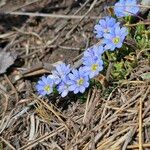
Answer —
118 120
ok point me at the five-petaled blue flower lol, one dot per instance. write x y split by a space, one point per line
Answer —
79 81
63 87
104 26
115 38
126 8
92 66
60 72
45 86
95 52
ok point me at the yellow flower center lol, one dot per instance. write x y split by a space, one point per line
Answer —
106 30
116 40
47 88
80 81
94 67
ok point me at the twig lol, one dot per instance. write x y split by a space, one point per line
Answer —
137 146
49 107
129 138
16 7
136 24
6 101
8 144
84 16
52 15
38 49
140 125
42 138
9 45
13 88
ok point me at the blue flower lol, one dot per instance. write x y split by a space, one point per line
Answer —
62 70
79 81
63 87
104 26
92 66
95 52
45 86
126 8
115 38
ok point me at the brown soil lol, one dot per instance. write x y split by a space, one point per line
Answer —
28 122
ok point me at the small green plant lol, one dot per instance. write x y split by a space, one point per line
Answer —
1 146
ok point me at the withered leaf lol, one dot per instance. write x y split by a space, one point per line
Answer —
6 60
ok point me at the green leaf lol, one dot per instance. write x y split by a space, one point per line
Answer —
145 76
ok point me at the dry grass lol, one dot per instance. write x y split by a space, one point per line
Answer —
119 120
